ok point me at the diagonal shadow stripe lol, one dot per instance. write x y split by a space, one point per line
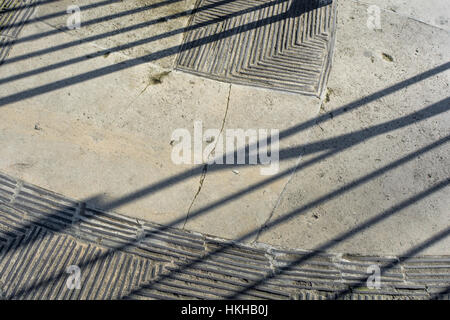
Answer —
405 257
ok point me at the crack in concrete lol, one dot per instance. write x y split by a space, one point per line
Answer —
202 179
291 175
277 203
205 167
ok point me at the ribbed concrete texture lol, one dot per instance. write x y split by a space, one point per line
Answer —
275 44
42 234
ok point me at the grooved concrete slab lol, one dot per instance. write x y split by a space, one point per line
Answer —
281 44
42 234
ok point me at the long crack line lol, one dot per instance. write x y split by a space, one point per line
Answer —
205 167
263 226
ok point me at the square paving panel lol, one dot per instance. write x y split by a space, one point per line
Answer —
279 44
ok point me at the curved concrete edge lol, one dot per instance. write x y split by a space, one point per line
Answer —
43 233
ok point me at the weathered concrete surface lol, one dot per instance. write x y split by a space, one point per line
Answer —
375 120
144 29
236 200
433 12
107 138
98 127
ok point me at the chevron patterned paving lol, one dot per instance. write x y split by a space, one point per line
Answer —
281 44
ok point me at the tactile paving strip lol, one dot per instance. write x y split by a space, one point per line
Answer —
13 15
42 234
279 44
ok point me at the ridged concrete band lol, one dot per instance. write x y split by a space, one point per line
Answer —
42 234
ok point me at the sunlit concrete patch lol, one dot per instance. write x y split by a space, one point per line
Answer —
44 235
13 14
378 158
282 44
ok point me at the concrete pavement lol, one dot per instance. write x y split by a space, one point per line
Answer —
89 113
